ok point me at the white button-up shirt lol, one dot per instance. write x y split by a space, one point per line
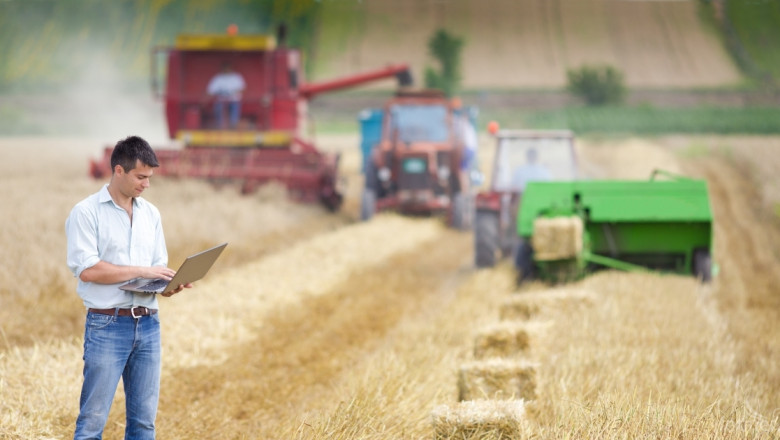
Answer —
99 229
227 86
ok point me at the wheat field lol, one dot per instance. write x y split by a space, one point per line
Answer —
316 326
530 43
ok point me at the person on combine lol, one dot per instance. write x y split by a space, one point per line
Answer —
114 236
226 88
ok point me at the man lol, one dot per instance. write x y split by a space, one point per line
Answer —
531 171
114 236
226 88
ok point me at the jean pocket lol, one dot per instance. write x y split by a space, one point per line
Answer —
97 321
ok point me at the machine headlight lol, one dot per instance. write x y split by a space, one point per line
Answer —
384 174
444 173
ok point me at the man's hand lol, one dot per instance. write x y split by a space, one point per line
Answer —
177 290
156 272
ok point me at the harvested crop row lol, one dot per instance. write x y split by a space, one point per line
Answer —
224 309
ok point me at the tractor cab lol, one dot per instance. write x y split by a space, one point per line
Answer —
415 122
521 157
527 157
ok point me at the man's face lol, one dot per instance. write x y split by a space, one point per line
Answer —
132 183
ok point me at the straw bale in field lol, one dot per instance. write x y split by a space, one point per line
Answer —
519 308
506 338
479 419
497 379
557 238
528 305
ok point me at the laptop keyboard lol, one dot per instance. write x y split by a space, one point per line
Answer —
154 285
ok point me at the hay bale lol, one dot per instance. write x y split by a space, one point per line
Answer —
557 238
497 379
502 339
519 308
527 305
479 419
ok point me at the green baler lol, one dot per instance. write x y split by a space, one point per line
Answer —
658 224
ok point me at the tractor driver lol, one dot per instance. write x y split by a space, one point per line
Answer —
226 88
531 171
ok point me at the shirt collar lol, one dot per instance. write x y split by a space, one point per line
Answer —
105 196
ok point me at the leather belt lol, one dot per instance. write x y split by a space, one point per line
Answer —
135 312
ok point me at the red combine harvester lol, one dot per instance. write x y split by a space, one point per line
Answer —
267 143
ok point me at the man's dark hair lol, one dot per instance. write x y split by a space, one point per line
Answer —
132 149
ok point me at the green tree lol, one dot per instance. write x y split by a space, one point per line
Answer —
445 48
596 85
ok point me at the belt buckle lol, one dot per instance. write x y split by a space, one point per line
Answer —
132 311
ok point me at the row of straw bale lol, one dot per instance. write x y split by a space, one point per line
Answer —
495 387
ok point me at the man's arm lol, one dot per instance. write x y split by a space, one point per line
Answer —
107 273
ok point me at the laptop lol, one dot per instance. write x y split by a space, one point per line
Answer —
192 269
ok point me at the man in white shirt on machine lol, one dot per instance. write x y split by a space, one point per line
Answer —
226 87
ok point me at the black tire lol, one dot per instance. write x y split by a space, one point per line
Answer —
702 265
461 211
367 204
485 239
524 261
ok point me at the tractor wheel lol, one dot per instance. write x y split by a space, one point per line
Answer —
524 262
461 211
702 265
367 204
485 239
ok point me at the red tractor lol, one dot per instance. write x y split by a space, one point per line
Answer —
521 156
267 143
418 157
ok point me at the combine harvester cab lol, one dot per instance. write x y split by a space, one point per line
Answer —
268 143
569 228
495 223
418 157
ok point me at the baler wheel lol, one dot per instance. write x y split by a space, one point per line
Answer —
524 261
485 239
702 265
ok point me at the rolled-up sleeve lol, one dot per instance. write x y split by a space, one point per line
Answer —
81 232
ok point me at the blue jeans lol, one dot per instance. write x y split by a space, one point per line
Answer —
234 112
117 346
